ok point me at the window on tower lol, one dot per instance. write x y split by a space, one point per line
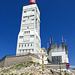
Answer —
20 37
25 45
23 20
32 19
25 16
36 10
31 44
28 44
23 50
24 11
27 32
28 17
22 45
31 15
19 45
27 28
32 49
33 10
20 51
29 50
31 36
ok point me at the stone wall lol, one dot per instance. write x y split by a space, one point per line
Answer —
2 61
12 60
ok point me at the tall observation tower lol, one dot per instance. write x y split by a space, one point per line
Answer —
29 35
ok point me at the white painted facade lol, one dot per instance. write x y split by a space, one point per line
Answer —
29 35
62 54
59 51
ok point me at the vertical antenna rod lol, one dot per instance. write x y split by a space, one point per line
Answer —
62 40
50 41
65 41
47 46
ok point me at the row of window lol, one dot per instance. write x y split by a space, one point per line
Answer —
28 16
25 20
25 45
26 32
31 36
61 50
56 59
27 27
27 50
30 10
20 37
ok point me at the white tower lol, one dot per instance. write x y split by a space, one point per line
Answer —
29 35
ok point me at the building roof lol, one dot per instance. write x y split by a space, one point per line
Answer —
58 46
44 50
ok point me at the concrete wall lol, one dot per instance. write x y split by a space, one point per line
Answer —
62 54
8 61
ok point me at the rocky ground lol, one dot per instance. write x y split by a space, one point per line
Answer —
72 72
29 68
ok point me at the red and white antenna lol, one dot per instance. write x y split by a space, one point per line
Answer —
50 41
32 1
62 40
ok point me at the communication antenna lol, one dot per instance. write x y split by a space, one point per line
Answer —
50 41
65 41
62 40
47 46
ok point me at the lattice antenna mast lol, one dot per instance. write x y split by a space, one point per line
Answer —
65 41
50 41
47 46
62 40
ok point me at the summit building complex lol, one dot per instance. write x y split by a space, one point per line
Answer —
29 41
29 35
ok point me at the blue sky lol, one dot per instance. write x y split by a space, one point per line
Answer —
57 20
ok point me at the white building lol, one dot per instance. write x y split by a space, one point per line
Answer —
58 54
29 35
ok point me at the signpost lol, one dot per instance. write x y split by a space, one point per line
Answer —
67 66
42 64
60 69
